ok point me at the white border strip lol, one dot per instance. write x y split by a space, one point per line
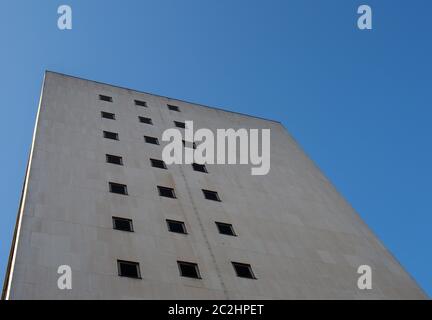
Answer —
21 209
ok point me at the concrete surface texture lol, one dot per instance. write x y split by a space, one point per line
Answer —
300 237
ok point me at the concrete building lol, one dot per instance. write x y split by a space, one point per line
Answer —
285 235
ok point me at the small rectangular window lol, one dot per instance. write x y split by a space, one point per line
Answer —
188 269
158 163
225 228
166 192
122 224
151 140
105 98
145 120
114 159
118 188
176 226
199 167
173 108
110 135
140 103
243 270
128 269
189 144
211 195
108 115
179 124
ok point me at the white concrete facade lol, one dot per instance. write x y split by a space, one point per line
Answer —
301 238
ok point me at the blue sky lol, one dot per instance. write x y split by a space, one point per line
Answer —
358 102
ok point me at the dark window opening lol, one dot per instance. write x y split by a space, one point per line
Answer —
166 192
199 167
176 226
122 224
225 228
118 188
243 270
158 164
111 135
189 144
211 195
145 120
179 124
151 140
114 159
173 108
105 98
140 103
188 269
108 115
128 269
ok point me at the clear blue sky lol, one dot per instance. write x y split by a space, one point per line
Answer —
358 102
